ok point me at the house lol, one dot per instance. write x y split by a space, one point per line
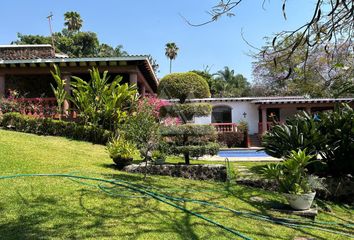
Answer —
26 68
259 112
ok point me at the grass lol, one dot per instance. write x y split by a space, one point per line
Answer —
55 208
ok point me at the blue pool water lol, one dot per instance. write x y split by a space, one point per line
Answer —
242 153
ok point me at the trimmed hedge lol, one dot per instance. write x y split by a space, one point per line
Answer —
187 130
210 148
46 126
186 110
183 86
232 139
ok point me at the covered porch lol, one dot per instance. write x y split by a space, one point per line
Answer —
272 112
32 78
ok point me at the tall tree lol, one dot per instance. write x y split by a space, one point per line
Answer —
171 51
73 21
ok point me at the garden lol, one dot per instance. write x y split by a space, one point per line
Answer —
77 177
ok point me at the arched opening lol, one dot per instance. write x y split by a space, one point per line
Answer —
221 114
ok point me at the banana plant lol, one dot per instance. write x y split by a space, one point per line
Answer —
59 91
101 102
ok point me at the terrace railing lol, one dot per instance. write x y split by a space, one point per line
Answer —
225 127
38 107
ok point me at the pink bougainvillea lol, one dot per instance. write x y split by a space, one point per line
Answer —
156 104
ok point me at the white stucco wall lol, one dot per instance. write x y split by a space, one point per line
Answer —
238 108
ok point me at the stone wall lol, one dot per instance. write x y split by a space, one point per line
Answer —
18 52
216 172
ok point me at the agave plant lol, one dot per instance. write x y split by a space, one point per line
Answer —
291 174
299 132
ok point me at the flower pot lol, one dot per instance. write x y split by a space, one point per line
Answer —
159 161
300 201
122 162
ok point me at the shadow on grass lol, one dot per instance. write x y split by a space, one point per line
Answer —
93 214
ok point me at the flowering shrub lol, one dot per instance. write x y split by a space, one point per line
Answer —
155 103
10 104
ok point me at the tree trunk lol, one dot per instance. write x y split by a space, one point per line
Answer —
170 65
186 158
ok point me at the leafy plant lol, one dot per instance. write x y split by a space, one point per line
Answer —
291 174
120 148
158 156
337 130
59 92
100 102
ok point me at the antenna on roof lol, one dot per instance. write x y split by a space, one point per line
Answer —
50 28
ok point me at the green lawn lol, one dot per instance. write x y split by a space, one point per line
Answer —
57 208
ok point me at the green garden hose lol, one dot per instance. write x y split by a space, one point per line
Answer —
144 191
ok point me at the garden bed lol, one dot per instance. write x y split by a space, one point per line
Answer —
216 172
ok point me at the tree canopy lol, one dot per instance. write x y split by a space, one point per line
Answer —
226 83
316 75
171 51
73 42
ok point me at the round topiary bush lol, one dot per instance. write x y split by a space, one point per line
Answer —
183 86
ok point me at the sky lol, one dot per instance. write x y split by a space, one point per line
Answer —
145 26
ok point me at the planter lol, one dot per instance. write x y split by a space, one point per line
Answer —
300 201
159 161
122 162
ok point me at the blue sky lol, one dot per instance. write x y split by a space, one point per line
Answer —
145 26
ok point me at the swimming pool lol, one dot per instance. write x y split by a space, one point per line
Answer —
242 153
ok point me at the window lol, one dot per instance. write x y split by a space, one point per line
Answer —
221 114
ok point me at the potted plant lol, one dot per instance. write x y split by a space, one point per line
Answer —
291 175
158 157
121 151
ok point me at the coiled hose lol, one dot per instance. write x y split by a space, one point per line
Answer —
145 191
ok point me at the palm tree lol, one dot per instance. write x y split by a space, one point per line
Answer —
171 52
73 21
228 84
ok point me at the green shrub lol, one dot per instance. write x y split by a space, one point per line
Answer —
191 140
183 86
196 130
45 126
209 148
101 102
337 129
232 139
298 132
186 111
291 174
120 148
142 127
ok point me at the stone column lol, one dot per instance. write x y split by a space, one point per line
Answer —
264 120
2 85
66 77
133 78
